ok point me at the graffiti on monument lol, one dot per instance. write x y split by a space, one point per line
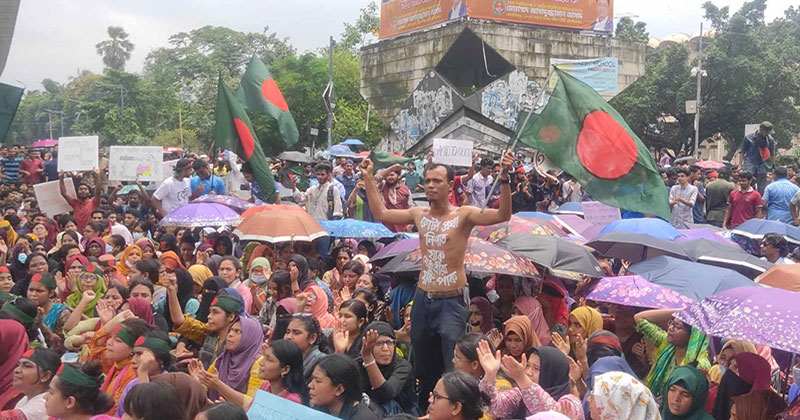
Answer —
503 99
432 101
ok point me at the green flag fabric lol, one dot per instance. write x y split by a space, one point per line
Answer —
382 160
259 93
233 131
587 138
9 101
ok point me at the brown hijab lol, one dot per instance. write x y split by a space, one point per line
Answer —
521 326
190 391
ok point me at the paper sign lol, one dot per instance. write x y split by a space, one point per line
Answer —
452 152
544 164
167 169
48 196
750 128
131 163
270 407
77 153
599 214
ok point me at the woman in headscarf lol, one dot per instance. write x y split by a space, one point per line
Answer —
130 256
148 248
729 349
213 264
95 247
554 305
189 305
518 337
599 367
317 302
757 405
171 260
747 372
89 279
481 318
680 345
211 286
121 230
542 383
686 392
142 309
617 395
223 245
13 344
168 242
583 321
259 272
189 390
238 362
530 307
388 378
200 274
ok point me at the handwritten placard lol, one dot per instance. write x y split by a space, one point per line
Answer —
599 214
131 163
452 152
270 407
49 198
77 153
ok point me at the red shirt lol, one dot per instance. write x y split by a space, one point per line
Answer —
395 198
455 193
83 211
31 166
743 206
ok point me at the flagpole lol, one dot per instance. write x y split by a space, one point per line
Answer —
518 133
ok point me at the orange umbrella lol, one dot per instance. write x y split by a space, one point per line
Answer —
279 225
782 276
272 207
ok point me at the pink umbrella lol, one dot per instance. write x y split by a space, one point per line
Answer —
45 143
710 164
693 234
575 225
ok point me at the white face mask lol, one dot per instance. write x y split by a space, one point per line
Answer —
137 236
257 279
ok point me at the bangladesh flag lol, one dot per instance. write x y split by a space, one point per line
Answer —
259 93
382 160
233 131
587 138
9 101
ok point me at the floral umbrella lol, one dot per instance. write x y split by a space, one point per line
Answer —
517 224
201 215
396 248
235 203
636 291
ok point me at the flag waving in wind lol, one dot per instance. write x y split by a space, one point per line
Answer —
233 131
259 93
587 138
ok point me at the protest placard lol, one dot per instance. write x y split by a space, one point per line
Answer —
544 164
48 196
452 152
77 153
599 214
131 163
271 407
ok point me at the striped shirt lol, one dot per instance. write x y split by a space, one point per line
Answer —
10 169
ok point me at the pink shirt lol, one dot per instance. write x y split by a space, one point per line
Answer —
507 403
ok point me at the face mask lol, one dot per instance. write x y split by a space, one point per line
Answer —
128 263
109 248
722 369
22 258
258 279
137 236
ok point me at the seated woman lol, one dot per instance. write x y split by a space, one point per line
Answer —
390 378
130 256
151 357
530 307
518 337
79 329
335 389
686 392
75 393
42 290
457 397
757 405
617 395
349 330
465 358
279 287
90 278
153 401
305 332
376 308
32 376
481 316
747 372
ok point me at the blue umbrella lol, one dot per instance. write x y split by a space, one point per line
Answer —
351 228
656 228
691 279
536 215
352 142
757 228
572 207
340 150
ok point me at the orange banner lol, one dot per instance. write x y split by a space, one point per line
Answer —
403 16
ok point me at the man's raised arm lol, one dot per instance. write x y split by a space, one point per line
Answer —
502 214
376 206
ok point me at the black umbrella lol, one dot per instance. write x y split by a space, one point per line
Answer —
399 265
635 247
292 156
735 258
553 253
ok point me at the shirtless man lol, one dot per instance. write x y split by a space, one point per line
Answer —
439 314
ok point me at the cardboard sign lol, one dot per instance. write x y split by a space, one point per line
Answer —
48 196
452 152
270 407
131 163
599 214
77 153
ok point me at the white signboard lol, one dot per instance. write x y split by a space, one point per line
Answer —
544 164
750 128
48 196
131 163
77 153
452 152
167 169
599 214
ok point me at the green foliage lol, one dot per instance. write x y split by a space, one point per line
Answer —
627 30
116 50
172 138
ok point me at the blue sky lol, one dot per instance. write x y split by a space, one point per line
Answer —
55 38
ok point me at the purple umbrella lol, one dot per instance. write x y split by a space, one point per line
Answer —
396 248
636 291
201 215
758 315
692 234
232 202
577 226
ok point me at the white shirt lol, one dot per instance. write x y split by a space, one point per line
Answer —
173 193
781 260
476 188
316 201
33 409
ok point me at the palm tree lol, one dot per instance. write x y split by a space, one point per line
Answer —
117 50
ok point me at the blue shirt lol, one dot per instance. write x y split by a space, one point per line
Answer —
51 169
698 213
751 150
349 183
777 197
213 183
11 168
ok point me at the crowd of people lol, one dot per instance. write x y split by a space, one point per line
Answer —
106 313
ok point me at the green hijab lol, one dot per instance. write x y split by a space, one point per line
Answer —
696 350
99 290
695 382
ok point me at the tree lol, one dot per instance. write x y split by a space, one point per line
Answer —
115 51
355 34
627 30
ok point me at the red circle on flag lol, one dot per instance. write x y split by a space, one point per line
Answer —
248 142
28 353
36 278
271 93
605 148
139 341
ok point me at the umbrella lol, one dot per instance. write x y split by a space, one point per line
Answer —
127 189
577 226
277 225
635 247
691 160
757 228
340 150
201 215
272 207
733 257
481 259
45 143
782 276
691 279
351 228
654 227
553 253
235 203
571 207
758 315
295 157
400 265
352 142
710 164
494 233
636 291
396 248
536 215
366 153
693 234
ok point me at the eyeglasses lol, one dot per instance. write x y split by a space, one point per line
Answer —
673 323
384 343
38 264
437 397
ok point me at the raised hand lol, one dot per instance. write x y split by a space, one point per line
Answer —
367 345
88 296
61 283
580 348
147 362
496 336
366 167
558 342
341 337
490 362
515 370
104 311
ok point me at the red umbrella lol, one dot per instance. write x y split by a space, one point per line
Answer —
710 164
366 154
45 143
